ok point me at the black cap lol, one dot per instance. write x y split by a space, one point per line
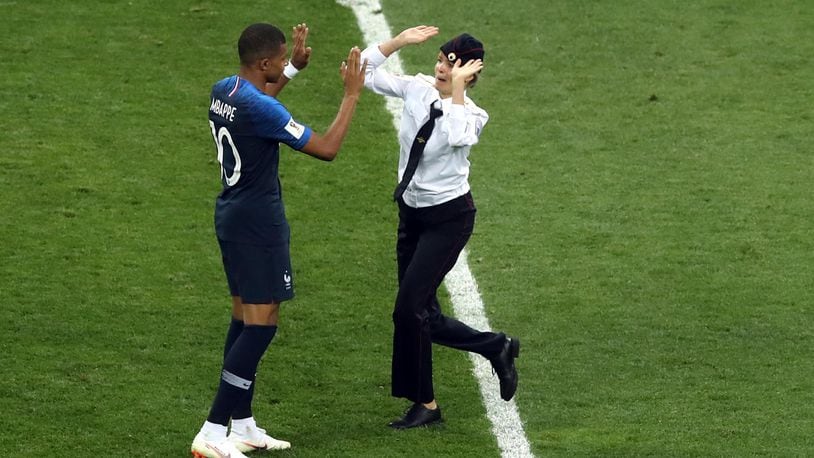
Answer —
464 47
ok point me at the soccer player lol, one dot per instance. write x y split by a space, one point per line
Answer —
439 126
248 126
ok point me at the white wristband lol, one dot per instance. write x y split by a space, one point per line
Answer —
290 71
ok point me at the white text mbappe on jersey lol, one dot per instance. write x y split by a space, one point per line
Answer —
224 110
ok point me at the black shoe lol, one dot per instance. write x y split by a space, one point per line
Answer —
503 364
417 415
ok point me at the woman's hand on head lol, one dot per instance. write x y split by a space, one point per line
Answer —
464 73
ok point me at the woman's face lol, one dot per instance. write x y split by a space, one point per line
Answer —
443 75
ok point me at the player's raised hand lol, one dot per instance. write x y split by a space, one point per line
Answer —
300 53
353 72
417 34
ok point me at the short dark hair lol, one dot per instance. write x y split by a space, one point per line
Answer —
464 47
259 41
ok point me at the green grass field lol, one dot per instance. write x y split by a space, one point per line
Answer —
645 226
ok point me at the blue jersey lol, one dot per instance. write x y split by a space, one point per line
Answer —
248 127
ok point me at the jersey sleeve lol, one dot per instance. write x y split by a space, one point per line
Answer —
274 122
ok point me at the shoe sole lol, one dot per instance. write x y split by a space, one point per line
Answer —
246 447
198 454
424 425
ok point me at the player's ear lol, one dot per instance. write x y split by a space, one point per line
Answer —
263 64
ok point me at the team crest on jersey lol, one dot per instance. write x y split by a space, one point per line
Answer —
295 129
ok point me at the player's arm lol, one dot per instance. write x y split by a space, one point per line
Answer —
326 146
411 36
300 56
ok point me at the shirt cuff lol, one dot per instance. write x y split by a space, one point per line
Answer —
373 55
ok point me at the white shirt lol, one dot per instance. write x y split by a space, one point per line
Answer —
443 171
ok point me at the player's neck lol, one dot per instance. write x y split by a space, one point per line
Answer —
254 77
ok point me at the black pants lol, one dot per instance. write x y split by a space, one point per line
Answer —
429 242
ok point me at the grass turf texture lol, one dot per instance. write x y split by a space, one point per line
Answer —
644 225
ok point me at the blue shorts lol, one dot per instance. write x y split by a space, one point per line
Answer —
258 274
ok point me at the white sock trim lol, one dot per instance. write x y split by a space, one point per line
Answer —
243 423
213 431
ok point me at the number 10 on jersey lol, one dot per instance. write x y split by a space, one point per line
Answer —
231 176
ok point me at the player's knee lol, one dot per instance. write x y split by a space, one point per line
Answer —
406 316
261 314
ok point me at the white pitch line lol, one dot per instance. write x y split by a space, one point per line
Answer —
463 290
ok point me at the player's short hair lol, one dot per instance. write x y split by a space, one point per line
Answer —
259 41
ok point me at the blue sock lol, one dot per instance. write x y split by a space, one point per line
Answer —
239 368
244 407
235 328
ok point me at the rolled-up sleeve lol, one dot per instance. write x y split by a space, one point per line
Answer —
379 80
465 124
